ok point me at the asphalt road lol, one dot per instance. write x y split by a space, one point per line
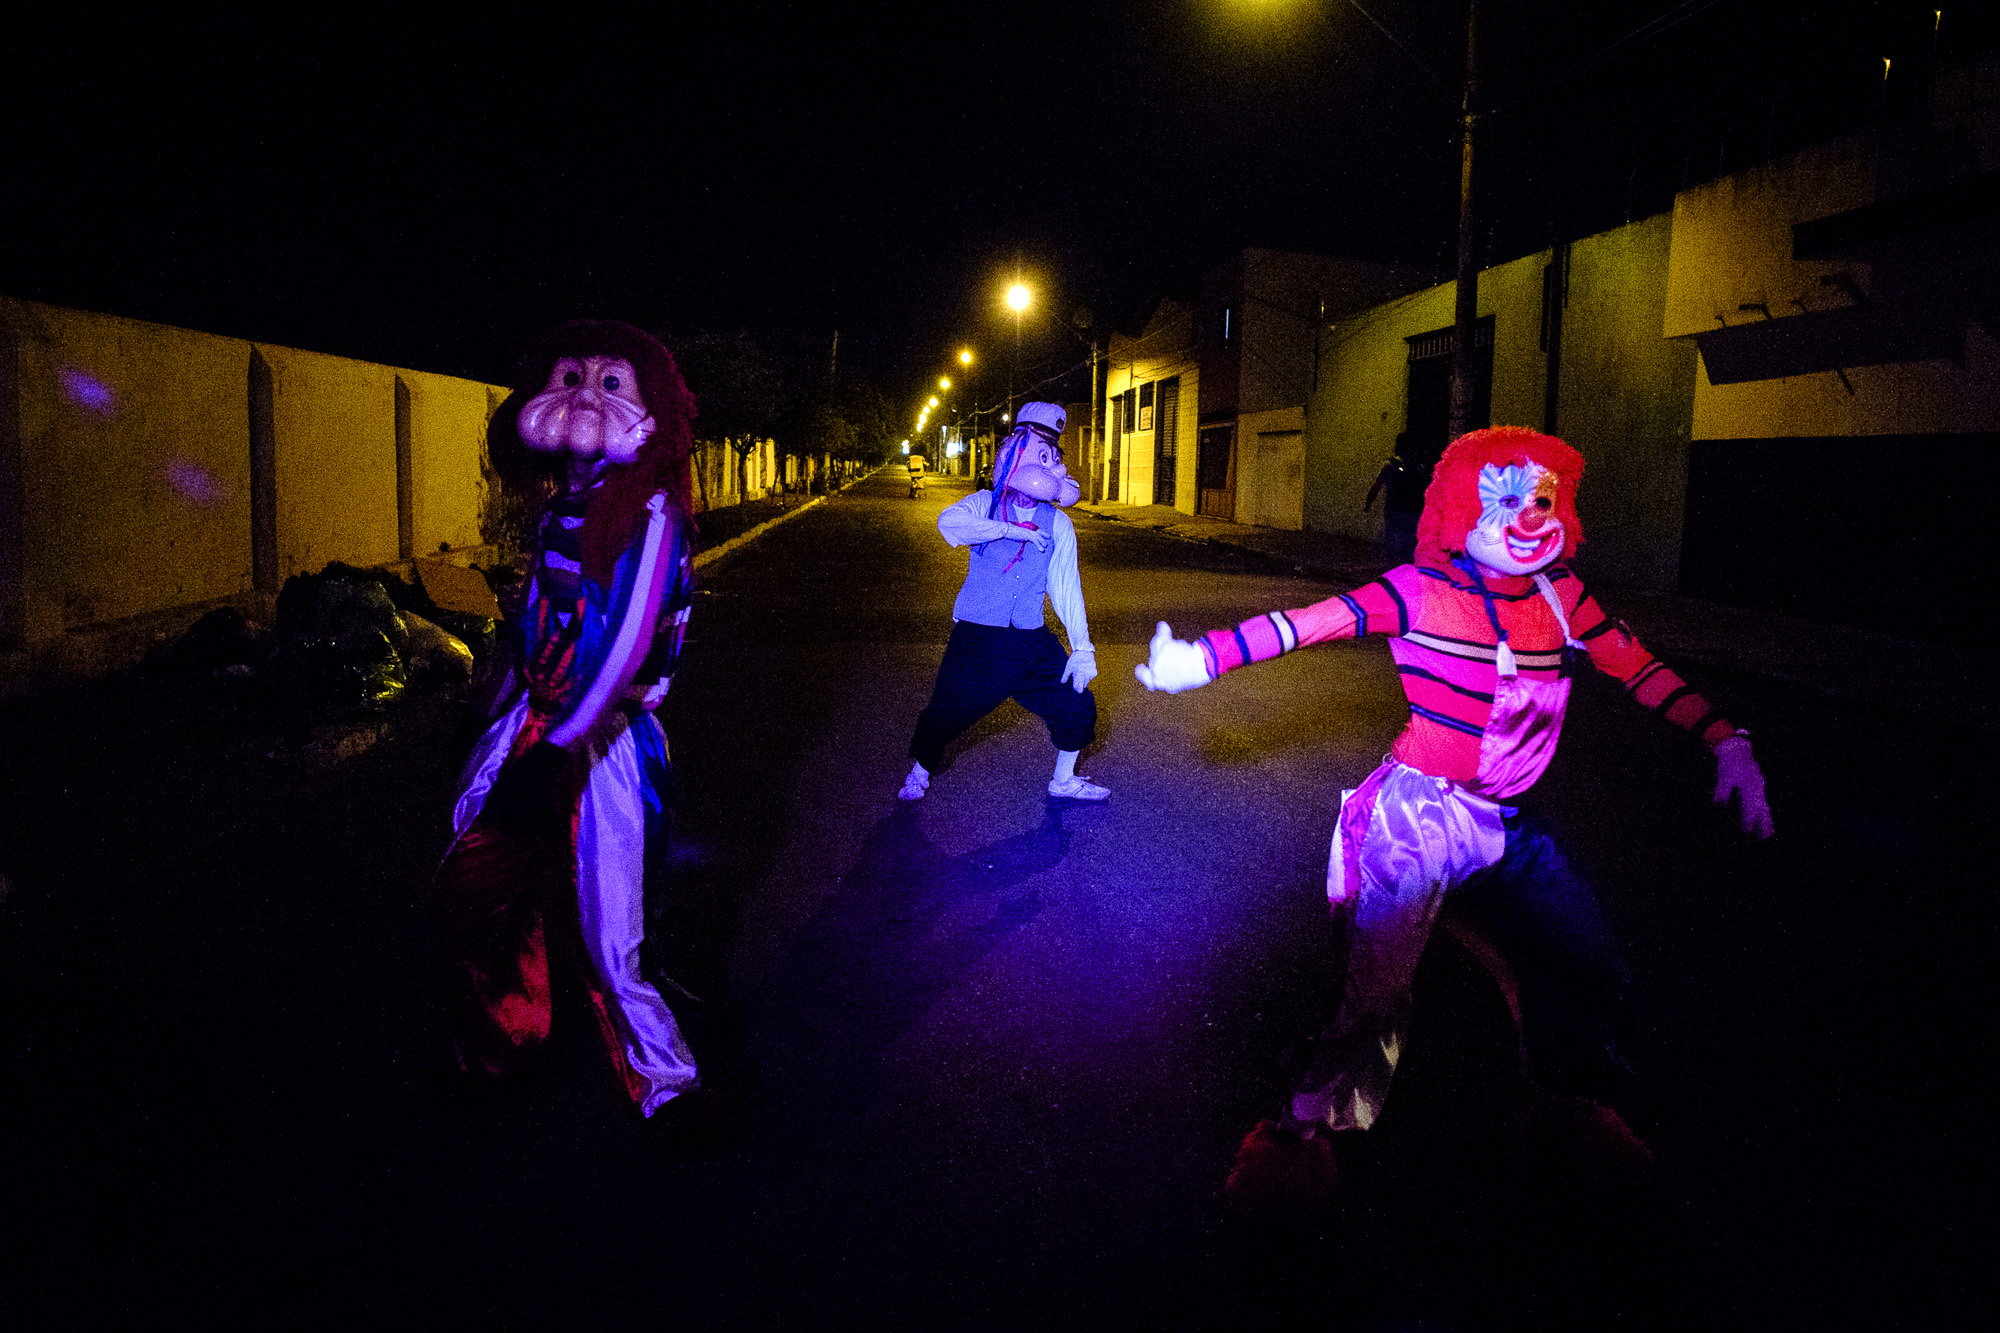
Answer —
1006 1044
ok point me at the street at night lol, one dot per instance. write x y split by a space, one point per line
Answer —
1003 1045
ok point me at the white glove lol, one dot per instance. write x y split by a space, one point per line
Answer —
1737 775
1173 664
1036 535
1081 669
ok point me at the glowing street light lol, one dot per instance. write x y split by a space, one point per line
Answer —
1018 298
972 456
943 383
933 402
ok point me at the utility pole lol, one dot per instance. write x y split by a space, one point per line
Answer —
1094 454
1467 312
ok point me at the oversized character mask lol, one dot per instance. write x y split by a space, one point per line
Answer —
1030 461
591 408
598 405
1504 497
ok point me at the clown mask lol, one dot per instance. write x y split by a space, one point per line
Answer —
1035 469
590 408
1518 531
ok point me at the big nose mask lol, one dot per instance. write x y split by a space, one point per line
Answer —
583 420
1039 482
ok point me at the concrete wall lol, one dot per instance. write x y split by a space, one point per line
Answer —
1271 468
448 419
132 447
1353 418
1624 396
1356 409
1626 402
1165 350
127 481
724 478
335 426
1732 264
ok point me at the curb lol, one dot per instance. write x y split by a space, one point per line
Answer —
703 559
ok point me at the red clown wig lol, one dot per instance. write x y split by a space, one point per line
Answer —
1451 505
662 464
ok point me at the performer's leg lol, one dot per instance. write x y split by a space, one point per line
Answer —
611 900
1419 840
1071 717
486 911
971 682
1355 1058
1573 979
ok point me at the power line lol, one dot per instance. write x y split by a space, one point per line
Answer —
1666 22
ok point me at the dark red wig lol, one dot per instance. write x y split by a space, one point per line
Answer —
1451 505
662 465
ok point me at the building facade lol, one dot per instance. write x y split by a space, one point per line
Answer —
1749 377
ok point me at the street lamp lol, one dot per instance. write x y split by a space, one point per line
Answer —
972 449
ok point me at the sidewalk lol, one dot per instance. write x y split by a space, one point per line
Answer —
1937 680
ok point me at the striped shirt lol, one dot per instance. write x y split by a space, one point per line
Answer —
1445 649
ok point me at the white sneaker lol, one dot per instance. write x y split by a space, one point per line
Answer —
914 788
1077 789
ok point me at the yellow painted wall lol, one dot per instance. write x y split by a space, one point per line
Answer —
1906 398
1626 403
129 449
1733 237
1732 247
335 422
1624 400
135 462
448 419
1163 351
1271 468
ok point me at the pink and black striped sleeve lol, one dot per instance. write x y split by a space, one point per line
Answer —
1373 608
1654 685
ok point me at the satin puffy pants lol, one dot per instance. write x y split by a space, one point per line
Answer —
1426 839
620 804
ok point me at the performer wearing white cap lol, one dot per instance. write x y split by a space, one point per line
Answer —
1023 548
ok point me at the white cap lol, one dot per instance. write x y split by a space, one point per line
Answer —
1047 419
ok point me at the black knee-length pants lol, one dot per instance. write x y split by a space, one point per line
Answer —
985 664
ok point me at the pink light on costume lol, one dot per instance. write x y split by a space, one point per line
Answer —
85 390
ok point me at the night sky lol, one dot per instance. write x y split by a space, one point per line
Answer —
427 192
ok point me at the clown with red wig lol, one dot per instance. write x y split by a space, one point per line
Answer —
1486 627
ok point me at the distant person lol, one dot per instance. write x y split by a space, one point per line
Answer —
1404 481
1023 550
919 470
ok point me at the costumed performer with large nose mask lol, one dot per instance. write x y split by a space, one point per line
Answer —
1023 548
1487 624
562 819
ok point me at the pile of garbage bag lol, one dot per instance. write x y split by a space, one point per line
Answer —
344 639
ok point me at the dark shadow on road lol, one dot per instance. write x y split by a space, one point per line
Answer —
882 952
